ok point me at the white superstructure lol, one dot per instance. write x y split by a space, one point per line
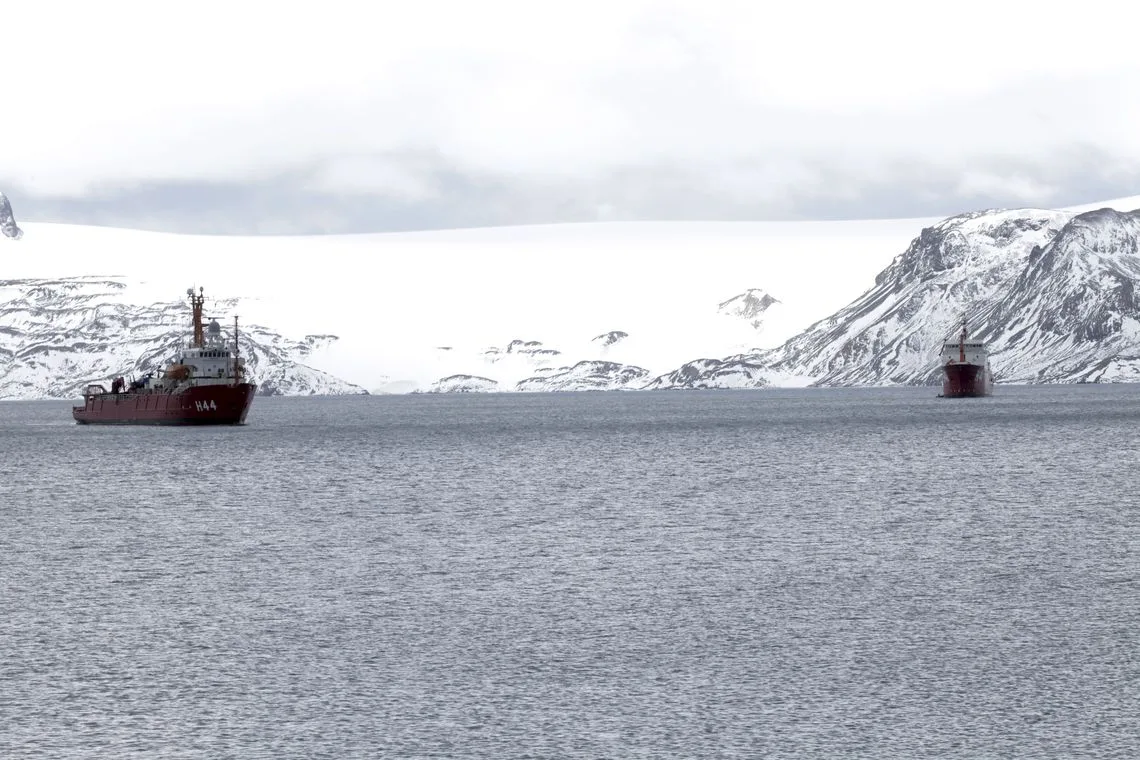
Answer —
964 350
214 362
207 359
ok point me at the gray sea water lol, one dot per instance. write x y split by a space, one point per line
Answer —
785 574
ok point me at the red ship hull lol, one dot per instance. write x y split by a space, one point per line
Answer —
196 405
963 380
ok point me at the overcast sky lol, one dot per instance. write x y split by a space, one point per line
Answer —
356 116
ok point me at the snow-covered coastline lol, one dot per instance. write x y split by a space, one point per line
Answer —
607 306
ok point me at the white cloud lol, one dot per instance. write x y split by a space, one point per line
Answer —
767 99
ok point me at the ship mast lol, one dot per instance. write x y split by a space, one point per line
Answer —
962 342
237 353
196 301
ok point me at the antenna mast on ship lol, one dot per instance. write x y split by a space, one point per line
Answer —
962 342
196 302
237 353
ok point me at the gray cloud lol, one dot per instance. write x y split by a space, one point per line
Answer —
812 187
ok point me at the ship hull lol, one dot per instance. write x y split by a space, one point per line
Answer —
197 405
965 380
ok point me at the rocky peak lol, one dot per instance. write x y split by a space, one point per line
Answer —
748 305
8 220
1081 286
605 340
961 240
1096 232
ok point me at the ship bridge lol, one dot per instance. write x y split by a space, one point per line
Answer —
213 359
207 359
969 351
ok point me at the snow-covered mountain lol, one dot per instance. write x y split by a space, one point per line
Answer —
587 376
533 352
1073 314
611 338
535 307
893 333
463 384
611 360
733 372
57 335
8 220
1053 293
750 306
532 365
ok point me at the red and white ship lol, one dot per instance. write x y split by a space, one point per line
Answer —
966 367
204 385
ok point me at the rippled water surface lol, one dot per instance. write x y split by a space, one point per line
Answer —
794 573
